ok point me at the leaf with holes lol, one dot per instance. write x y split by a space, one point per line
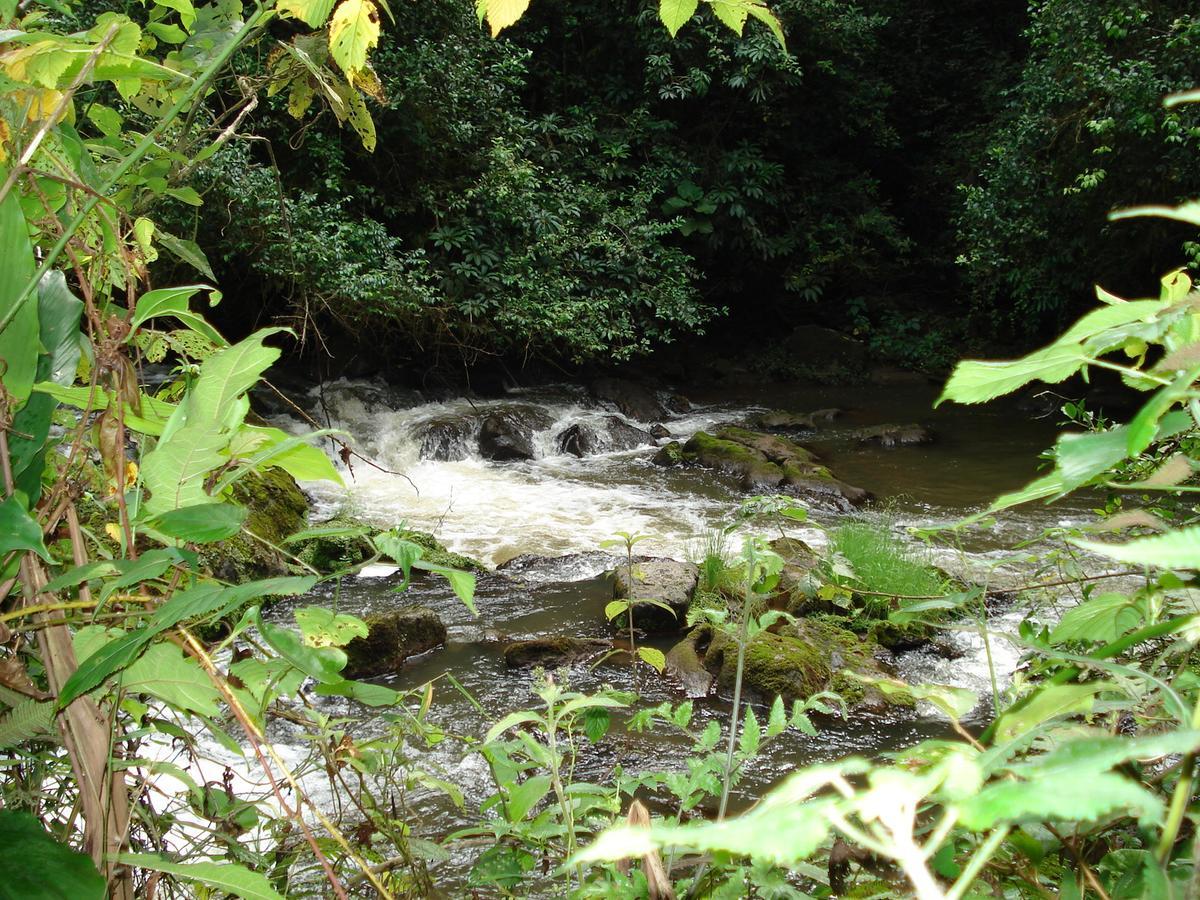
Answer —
322 627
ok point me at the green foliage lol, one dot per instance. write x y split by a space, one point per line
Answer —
871 556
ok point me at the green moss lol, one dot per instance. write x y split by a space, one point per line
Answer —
276 509
670 454
433 551
774 665
732 458
848 688
899 637
336 552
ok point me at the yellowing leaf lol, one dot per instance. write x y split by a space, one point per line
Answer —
733 14
502 13
353 31
312 13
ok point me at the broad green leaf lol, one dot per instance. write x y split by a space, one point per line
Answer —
525 796
190 253
103 663
974 381
362 691
1181 97
224 876
292 453
590 702
403 553
1068 797
1100 320
201 524
19 530
153 419
322 627
1188 212
353 31
1174 550
175 302
322 663
1100 754
462 583
58 316
195 602
19 339
1049 701
37 867
520 717
1101 619
163 671
1081 457
501 13
596 723
615 608
732 13
674 13
312 13
768 18
653 658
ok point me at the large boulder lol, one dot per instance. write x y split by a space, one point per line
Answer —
634 400
392 637
550 651
893 435
339 543
446 438
506 433
669 582
276 509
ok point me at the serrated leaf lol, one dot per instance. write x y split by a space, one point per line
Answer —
312 13
353 31
975 381
751 734
732 13
768 18
777 721
1101 619
1049 702
525 796
1073 797
1174 550
595 724
653 658
500 14
323 627
674 13
224 876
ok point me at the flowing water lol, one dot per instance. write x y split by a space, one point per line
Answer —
556 504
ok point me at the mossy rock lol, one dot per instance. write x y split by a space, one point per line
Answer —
750 466
775 448
898 638
670 454
336 552
392 637
799 660
276 509
685 665
782 420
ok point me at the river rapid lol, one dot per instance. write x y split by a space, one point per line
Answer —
557 504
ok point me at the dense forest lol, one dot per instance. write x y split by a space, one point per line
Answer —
403 628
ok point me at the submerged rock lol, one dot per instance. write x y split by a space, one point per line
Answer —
536 569
665 580
392 637
685 664
894 435
507 433
550 651
782 420
637 401
446 438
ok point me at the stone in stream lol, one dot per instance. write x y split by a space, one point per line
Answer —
392 637
446 438
785 420
659 430
536 569
893 435
583 440
507 433
550 651
634 400
685 665
666 580
765 462
799 660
